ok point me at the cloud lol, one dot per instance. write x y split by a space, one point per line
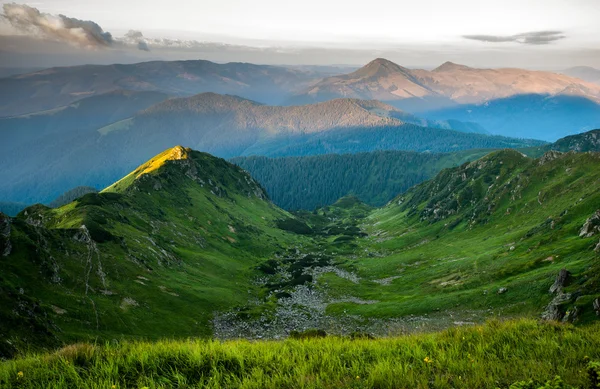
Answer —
527 38
141 45
30 21
135 38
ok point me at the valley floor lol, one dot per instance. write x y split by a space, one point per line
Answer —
516 354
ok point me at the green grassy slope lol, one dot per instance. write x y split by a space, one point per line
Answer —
188 245
444 250
160 251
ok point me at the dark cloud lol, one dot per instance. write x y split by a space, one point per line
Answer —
141 45
527 38
31 21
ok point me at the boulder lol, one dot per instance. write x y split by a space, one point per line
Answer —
502 290
596 305
591 226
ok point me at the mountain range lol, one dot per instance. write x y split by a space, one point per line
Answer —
384 80
189 245
57 87
508 102
42 167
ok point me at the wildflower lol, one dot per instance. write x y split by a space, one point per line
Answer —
114 387
428 360
358 377
20 374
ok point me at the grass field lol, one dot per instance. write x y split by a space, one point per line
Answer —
494 355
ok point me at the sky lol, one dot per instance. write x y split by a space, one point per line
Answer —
419 33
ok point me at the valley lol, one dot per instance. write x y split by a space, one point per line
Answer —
315 195
169 232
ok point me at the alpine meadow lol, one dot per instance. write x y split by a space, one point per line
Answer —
310 195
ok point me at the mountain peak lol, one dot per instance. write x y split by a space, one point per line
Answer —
176 153
379 67
450 66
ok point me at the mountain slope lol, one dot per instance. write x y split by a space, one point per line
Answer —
188 245
226 126
85 115
153 255
581 143
488 238
535 116
377 177
64 85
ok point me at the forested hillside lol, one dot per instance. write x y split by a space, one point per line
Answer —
377 177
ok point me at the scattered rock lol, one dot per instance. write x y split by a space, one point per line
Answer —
502 290
549 156
591 226
560 282
596 305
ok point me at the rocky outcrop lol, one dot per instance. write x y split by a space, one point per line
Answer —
591 226
5 245
549 156
560 282
554 310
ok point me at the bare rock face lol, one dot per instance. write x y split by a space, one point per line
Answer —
560 282
5 245
591 226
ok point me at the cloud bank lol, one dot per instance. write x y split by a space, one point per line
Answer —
527 38
31 21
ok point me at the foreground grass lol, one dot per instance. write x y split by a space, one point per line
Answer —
496 354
